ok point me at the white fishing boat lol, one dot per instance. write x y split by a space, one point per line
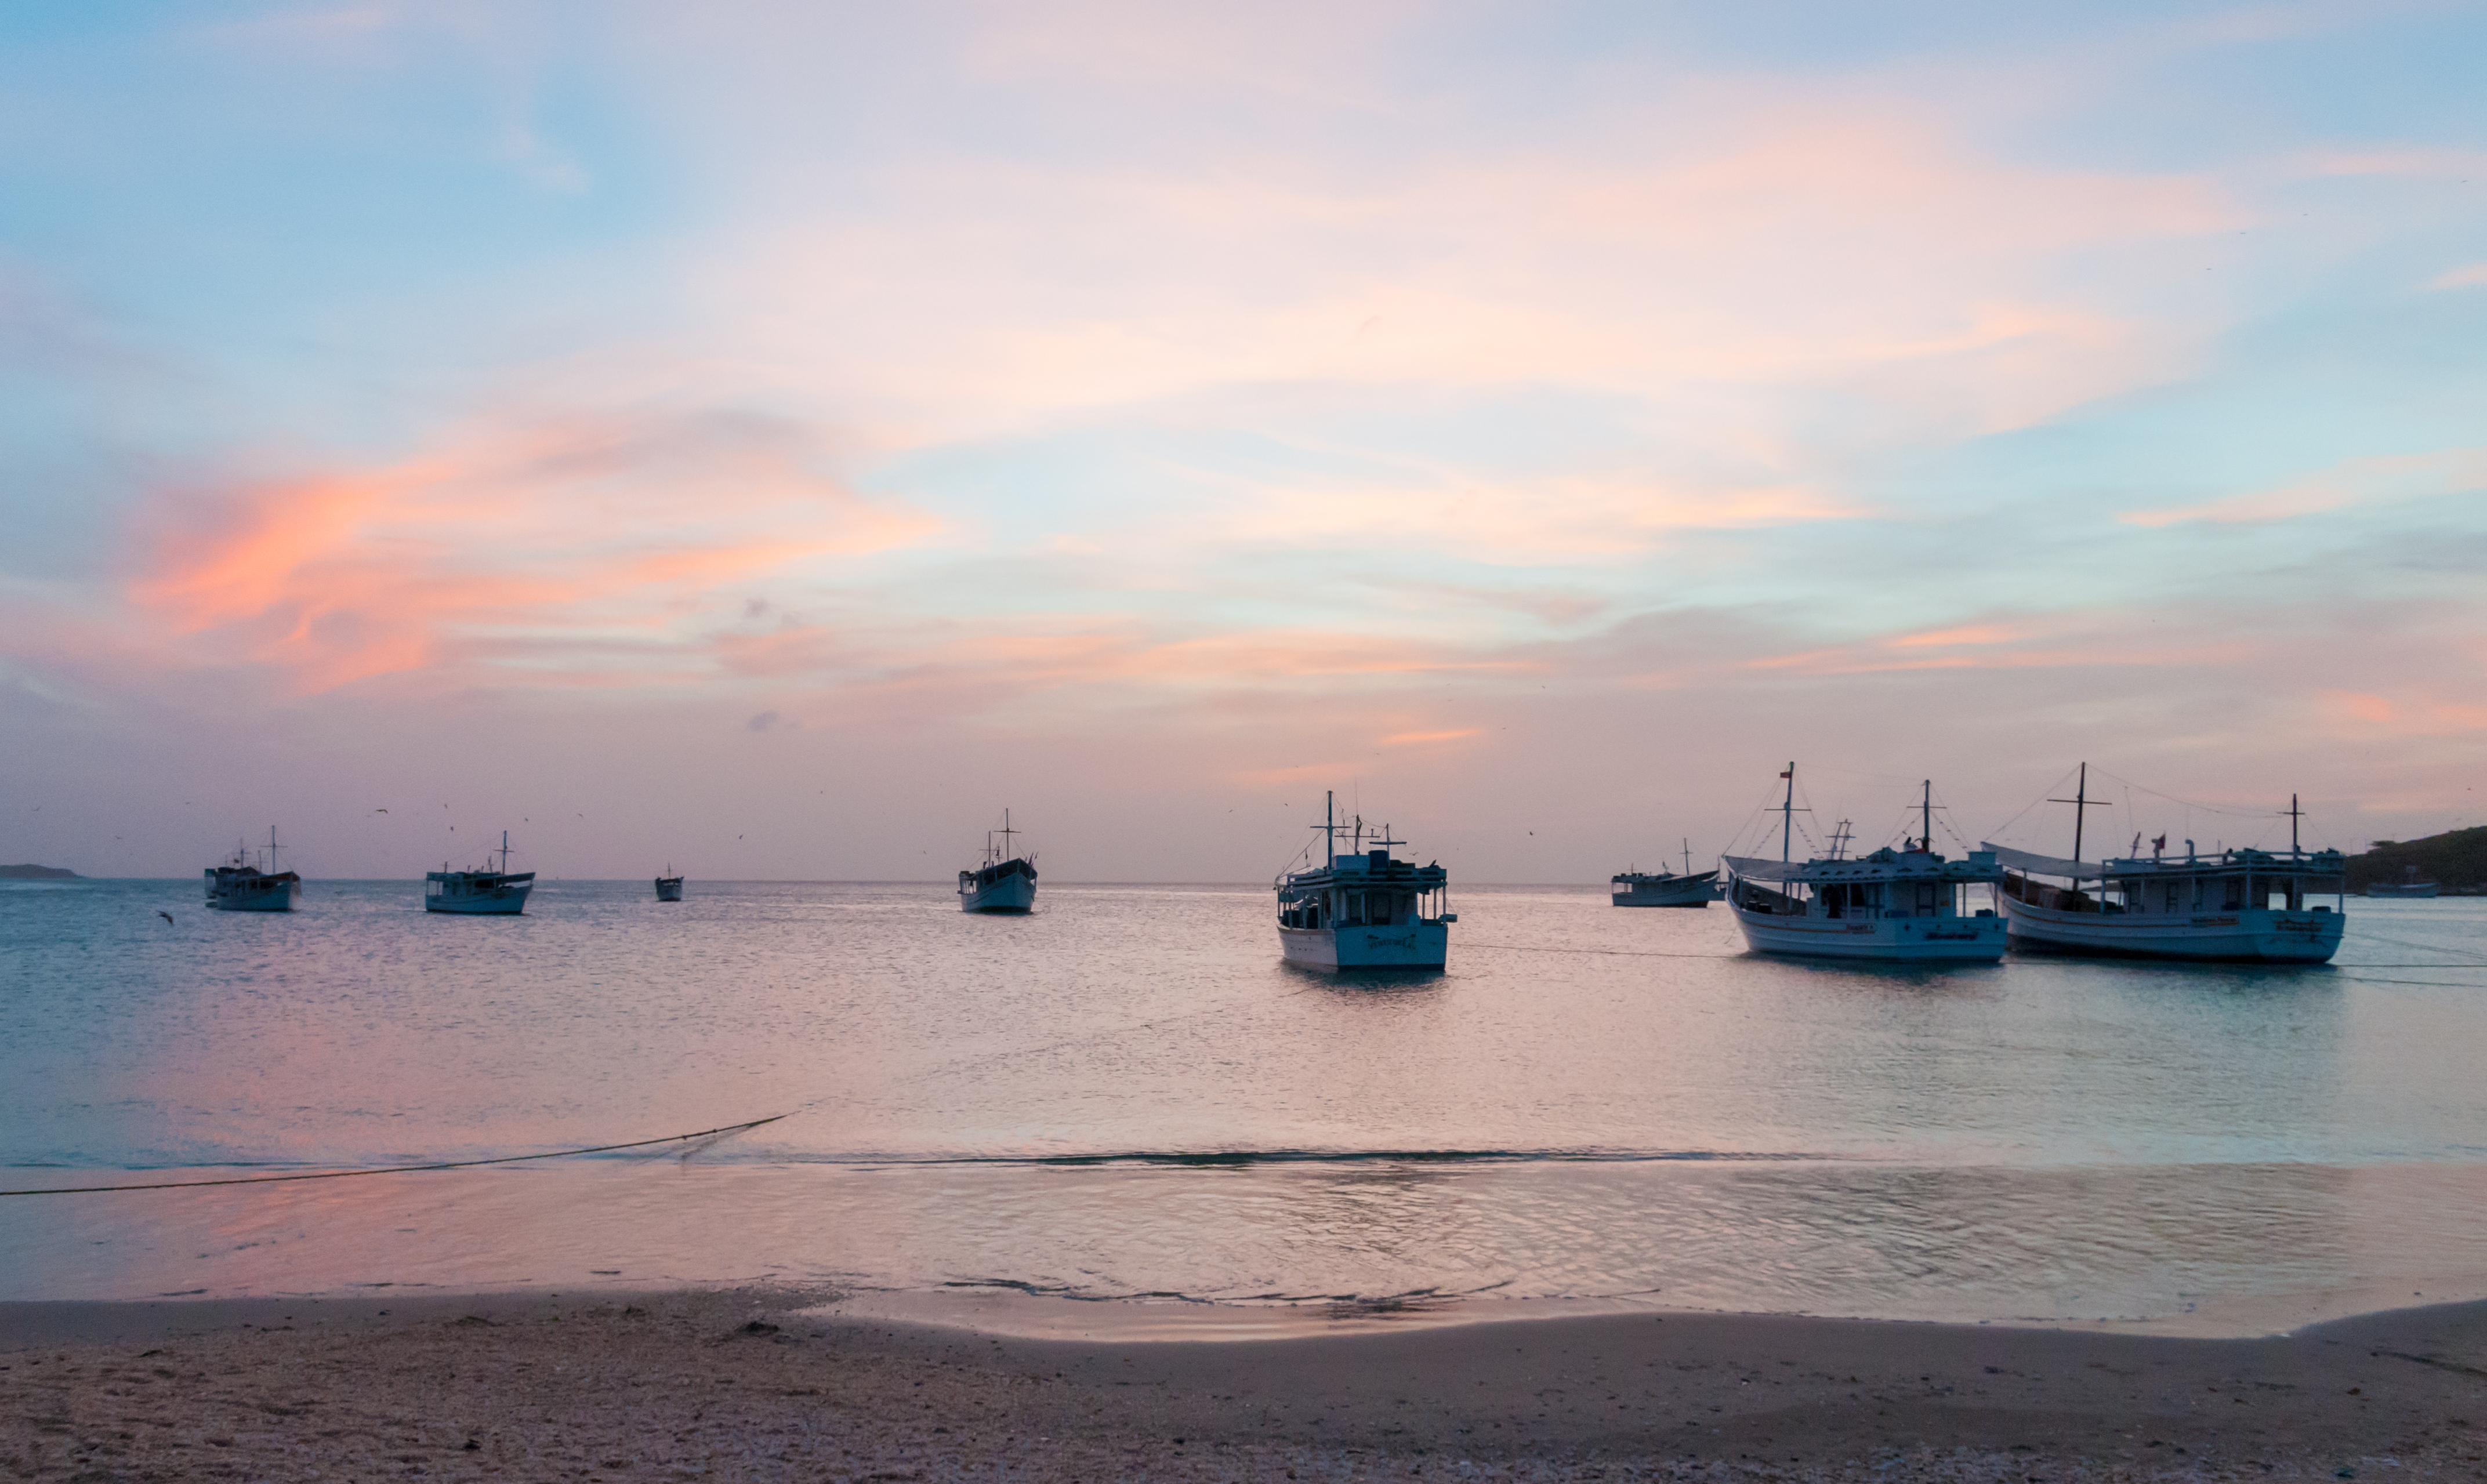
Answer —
241 886
2409 887
669 887
501 894
1005 882
1665 888
1363 910
1907 904
2234 905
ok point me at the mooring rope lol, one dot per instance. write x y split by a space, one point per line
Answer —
395 1170
1622 952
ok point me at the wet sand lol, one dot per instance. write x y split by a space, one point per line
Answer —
745 1384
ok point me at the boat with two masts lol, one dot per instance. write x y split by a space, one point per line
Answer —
2233 906
1907 904
501 893
1363 909
1005 882
1665 888
239 886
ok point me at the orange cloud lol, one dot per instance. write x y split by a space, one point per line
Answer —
2365 708
1408 739
562 551
2365 480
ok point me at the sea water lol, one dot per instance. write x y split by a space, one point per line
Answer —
1127 1096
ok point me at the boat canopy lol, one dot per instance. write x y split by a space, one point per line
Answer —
2029 863
1883 866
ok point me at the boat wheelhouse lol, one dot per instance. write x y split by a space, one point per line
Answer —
1005 882
1665 888
239 886
1907 904
1363 909
501 894
2235 905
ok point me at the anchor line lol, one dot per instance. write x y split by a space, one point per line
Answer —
397 1169
1623 953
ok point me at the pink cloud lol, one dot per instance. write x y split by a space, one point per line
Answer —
2353 481
577 549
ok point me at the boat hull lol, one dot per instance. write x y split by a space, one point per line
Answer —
495 902
2244 936
1410 946
1879 940
2423 891
1012 894
1678 891
256 897
669 888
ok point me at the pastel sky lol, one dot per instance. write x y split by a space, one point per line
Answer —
775 438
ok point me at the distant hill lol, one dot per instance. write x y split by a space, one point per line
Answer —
34 873
2457 858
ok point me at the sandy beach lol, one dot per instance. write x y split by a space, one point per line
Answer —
772 1385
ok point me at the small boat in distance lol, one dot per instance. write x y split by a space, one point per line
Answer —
479 893
1364 909
1638 888
2212 909
669 887
239 886
2408 887
1893 905
1005 882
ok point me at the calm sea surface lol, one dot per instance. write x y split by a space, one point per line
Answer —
1127 1093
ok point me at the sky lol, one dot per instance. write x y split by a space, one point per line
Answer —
773 441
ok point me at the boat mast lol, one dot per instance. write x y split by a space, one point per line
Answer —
2294 815
505 853
1007 833
271 843
1787 813
2080 802
1928 826
1687 854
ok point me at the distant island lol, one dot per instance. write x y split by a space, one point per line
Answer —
35 873
2457 858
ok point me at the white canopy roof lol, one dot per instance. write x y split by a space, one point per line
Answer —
2040 865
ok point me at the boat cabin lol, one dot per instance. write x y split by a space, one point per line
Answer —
1887 884
2229 882
1365 890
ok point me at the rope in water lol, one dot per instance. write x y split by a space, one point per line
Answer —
1621 952
396 1169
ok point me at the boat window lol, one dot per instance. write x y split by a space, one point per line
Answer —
2234 897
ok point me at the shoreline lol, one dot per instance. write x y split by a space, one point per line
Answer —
779 1383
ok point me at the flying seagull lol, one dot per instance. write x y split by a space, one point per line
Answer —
167 916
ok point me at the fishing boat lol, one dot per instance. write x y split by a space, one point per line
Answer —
2408 887
1005 882
669 887
1363 909
2233 906
1639 889
498 893
239 886
1907 904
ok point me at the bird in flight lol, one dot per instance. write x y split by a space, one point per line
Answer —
167 916
379 811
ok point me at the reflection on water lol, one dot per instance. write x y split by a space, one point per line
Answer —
1128 1093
